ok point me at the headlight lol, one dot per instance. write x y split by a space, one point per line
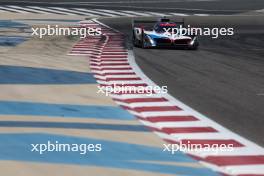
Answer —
151 40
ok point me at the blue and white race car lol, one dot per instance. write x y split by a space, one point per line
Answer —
148 34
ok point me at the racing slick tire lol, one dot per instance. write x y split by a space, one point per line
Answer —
143 42
135 41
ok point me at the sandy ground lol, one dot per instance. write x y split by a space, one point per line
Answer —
50 54
67 170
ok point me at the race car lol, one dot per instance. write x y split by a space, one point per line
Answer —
151 34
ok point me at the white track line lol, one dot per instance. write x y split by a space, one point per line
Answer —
198 14
98 12
243 169
135 96
261 10
49 10
12 9
143 104
190 136
179 124
37 10
179 14
238 170
238 151
157 14
136 13
66 11
160 113
105 13
83 11
27 9
88 12
115 12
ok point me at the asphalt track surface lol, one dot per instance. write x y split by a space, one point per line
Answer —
177 6
223 80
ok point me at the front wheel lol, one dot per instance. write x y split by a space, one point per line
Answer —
144 42
134 41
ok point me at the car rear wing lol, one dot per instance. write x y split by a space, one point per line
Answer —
143 23
150 23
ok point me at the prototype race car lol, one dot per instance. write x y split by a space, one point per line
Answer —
148 34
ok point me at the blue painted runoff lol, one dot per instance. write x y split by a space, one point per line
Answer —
17 147
11 40
73 125
12 24
63 110
30 75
